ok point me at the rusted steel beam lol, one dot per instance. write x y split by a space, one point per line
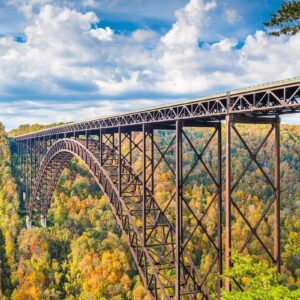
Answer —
228 202
144 189
231 187
277 198
272 99
219 211
120 161
178 208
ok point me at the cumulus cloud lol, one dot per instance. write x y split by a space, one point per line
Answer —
58 47
225 45
185 32
144 36
66 60
28 7
102 34
91 3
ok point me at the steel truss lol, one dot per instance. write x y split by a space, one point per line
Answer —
232 183
130 158
127 155
268 99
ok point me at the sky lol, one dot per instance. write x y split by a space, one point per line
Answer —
73 60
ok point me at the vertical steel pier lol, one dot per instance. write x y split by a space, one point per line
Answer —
232 182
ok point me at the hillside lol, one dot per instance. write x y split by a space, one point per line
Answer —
23 129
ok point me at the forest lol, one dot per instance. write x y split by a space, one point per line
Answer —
82 254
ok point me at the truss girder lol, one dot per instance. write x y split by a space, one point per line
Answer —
280 98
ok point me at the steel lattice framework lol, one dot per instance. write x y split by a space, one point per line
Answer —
179 243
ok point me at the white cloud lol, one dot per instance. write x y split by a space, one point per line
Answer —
102 34
225 45
27 6
232 16
143 35
90 3
58 41
189 22
63 59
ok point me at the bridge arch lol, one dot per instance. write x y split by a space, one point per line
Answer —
51 169
54 162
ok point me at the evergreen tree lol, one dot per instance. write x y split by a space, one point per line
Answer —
286 21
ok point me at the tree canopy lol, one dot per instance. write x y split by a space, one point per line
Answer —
82 254
286 21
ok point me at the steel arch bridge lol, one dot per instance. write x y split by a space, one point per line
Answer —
125 153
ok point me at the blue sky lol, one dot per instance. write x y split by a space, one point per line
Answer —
73 60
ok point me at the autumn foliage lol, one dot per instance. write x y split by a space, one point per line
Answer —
82 254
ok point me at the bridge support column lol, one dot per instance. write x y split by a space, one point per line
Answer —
130 148
45 146
43 221
228 202
27 183
28 222
219 211
266 178
178 208
21 161
35 165
120 161
144 192
23 166
147 175
31 168
100 146
277 197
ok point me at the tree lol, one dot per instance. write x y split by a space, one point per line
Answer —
259 281
82 255
286 21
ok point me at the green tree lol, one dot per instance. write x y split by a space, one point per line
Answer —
286 21
258 280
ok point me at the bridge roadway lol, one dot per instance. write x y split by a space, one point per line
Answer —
126 154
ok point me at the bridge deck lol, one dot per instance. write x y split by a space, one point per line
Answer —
279 97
